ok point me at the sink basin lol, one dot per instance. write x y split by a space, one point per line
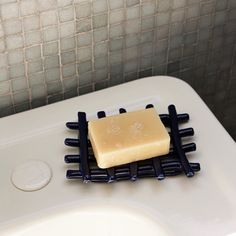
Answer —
54 205
99 220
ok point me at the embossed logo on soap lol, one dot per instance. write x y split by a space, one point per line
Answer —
136 130
114 128
136 127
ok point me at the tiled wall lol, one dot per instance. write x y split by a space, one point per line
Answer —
56 49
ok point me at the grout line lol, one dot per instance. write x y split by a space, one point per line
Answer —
92 47
25 63
108 43
59 52
42 56
76 47
139 40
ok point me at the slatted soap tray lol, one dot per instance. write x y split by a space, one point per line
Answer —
172 164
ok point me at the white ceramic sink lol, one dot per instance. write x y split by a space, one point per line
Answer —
91 220
202 205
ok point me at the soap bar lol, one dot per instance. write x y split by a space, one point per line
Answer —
128 137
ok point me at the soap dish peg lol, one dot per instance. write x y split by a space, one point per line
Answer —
158 168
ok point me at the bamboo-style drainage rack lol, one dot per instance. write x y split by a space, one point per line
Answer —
172 164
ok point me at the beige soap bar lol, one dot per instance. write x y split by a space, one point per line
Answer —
128 137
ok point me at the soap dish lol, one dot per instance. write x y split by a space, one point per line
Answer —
172 164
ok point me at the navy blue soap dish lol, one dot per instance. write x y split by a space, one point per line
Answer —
172 164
